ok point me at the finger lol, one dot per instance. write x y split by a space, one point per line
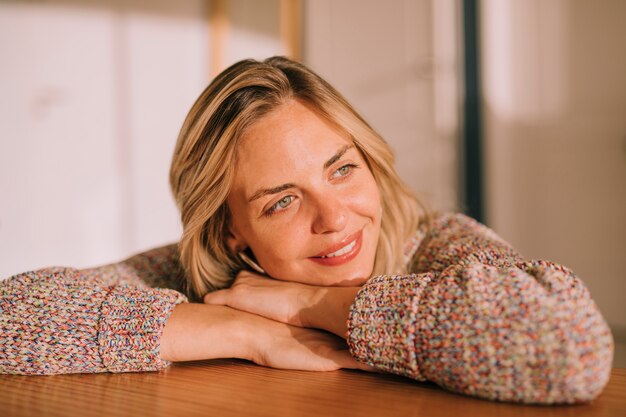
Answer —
367 368
219 297
347 361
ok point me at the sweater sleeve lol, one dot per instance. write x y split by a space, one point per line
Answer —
106 319
477 319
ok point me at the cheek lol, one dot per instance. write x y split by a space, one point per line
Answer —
366 198
279 242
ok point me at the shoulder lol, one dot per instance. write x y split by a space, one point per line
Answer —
450 238
436 225
158 267
451 221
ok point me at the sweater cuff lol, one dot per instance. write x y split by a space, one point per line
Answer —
381 321
132 320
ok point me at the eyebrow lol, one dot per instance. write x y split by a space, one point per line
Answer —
275 190
337 156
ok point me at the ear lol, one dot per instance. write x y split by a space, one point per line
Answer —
234 241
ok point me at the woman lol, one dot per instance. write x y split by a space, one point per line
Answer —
298 234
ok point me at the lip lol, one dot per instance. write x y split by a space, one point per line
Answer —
346 257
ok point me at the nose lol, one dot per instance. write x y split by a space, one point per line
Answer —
330 215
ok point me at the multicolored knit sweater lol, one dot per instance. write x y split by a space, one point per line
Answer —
473 317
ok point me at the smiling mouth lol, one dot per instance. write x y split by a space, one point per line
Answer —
343 254
341 251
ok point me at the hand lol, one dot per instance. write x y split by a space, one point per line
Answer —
280 345
267 297
200 331
288 302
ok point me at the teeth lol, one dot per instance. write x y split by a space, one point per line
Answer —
341 251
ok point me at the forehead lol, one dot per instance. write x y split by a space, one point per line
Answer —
290 140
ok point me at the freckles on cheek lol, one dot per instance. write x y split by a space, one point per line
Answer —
269 238
283 242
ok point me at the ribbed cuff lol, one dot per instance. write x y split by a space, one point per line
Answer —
129 332
382 321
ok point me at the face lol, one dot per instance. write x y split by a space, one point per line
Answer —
304 200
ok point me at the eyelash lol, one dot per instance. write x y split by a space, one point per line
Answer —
272 210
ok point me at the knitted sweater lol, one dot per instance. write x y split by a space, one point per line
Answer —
473 317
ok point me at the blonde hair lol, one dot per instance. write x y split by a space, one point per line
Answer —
205 156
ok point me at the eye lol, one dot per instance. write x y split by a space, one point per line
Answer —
344 170
281 204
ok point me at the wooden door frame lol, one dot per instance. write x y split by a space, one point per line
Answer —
220 25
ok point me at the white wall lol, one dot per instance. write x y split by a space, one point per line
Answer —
93 95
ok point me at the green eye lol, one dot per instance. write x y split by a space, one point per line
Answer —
344 170
284 202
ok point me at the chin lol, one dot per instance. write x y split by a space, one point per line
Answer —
353 274
351 282
349 279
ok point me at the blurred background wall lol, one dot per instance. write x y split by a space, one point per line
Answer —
554 107
93 93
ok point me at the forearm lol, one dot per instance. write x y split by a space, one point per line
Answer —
46 314
202 331
526 333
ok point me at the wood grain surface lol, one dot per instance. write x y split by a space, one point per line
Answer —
239 388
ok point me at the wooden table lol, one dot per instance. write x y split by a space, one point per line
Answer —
238 388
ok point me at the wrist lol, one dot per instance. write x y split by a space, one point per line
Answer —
248 332
331 309
240 333
200 331
255 335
